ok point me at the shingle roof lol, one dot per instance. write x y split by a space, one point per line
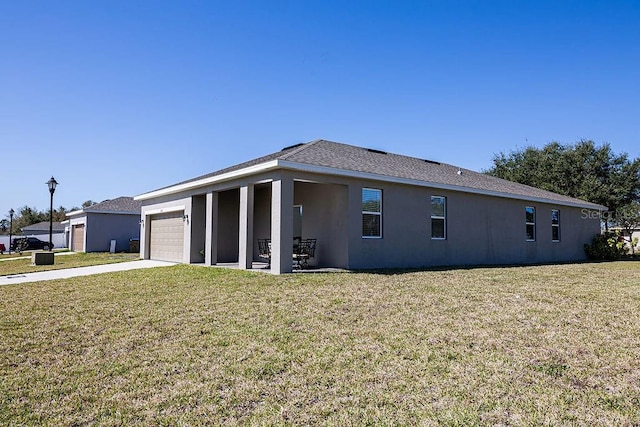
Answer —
338 156
120 205
43 226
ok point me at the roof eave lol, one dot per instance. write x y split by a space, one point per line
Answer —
262 167
325 170
397 180
112 212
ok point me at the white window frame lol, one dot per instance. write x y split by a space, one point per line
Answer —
556 226
444 217
528 223
378 190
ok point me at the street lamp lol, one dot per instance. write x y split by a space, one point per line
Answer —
11 212
52 188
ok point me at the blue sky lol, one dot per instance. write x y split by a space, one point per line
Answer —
122 97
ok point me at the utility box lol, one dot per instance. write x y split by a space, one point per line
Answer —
134 245
42 258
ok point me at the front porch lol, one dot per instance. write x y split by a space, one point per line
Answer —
225 225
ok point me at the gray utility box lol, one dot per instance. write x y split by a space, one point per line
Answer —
42 258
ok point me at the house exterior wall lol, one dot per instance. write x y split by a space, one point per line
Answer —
481 229
228 225
261 216
100 229
198 228
324 217
164 205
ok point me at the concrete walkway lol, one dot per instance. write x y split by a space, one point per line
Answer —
80 271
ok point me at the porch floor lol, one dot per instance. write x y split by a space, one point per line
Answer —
262 267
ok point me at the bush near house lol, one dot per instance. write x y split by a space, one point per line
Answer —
607 246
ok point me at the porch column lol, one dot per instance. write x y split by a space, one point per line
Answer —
211 230
245 246
282 225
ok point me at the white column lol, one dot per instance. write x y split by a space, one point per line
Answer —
211 230
245 247
282 225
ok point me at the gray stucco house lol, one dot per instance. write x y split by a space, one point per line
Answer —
91 229
366 208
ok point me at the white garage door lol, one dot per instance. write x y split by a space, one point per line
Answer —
166 241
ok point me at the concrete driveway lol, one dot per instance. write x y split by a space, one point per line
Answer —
67 273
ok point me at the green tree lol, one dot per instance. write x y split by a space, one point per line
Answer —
582 170
27 216
628 219
88 203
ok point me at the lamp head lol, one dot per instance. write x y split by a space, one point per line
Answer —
52 184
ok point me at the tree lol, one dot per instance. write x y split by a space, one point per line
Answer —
582 170
628 218
88 203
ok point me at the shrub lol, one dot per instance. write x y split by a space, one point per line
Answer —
606 246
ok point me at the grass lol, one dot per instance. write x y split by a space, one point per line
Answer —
23 265
13 254
188 345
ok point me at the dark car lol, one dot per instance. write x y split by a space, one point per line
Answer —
25 243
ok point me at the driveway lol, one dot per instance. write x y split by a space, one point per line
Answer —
67 273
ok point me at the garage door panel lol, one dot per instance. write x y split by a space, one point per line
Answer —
166 241
78 238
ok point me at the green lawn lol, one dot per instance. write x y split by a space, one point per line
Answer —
13 254
22 265
188 345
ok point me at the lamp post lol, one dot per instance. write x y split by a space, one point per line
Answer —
11 212
52 188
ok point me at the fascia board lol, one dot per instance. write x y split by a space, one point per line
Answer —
112 212
324 170
262 167
167 209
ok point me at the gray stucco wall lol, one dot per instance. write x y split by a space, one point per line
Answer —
261 216
102 228
324 217
228 225
197 219
480 230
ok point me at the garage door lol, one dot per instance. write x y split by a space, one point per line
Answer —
77 244
166 241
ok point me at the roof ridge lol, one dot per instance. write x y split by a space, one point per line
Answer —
302 147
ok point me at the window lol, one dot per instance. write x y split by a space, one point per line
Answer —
438 217
371 213
555 225
530 220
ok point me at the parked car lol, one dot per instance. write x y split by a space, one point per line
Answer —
26 243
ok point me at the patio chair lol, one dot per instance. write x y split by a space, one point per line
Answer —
264 250
303 252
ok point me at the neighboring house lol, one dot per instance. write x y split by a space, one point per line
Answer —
366 208
42 229
91 229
